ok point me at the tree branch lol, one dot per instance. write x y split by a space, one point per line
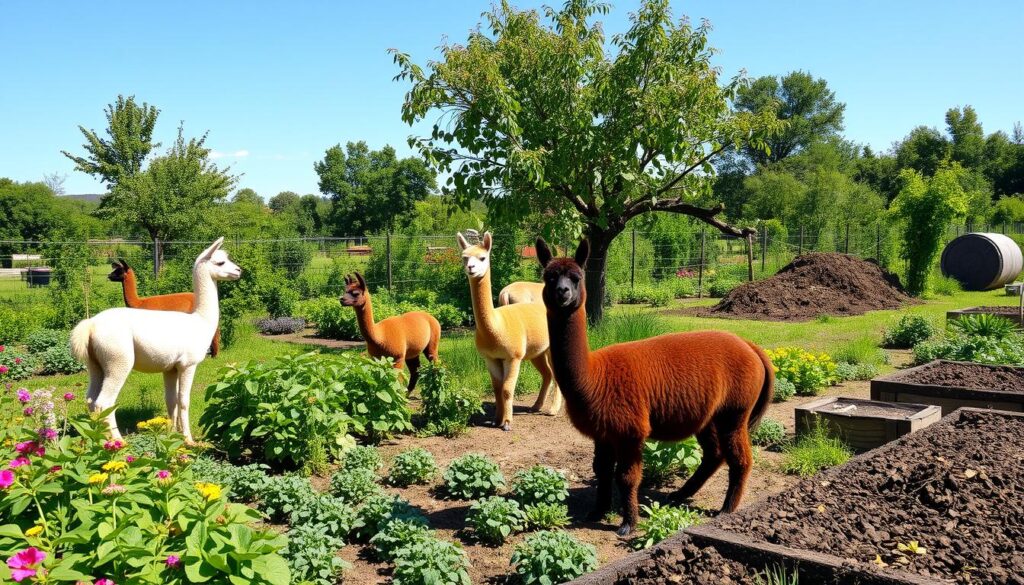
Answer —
707 215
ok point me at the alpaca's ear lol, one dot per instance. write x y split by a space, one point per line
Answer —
487 241
124 264
362 281
543 252
462 241
348 279
116 266
582 253
205 255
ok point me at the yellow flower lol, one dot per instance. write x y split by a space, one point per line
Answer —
98 478
115 466
156 423
34 531
210 491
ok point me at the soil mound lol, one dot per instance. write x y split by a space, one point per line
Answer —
815 284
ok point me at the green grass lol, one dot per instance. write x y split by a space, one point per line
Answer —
813 452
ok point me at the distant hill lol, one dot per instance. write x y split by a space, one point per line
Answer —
91 197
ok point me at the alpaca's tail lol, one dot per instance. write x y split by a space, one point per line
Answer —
503 298
767 389
80 337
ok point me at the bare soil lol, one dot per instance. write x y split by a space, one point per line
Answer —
814 284
964 375
308 336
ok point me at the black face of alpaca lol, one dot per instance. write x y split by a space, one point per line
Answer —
121 269
563 277
355 291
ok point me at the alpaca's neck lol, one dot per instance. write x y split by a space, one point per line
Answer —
130 290
483 304
364 317
570 354
207 305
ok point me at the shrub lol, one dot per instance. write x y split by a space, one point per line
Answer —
14 326
413 466
41 340
353 486
495 518
908 332
662 522
312 556
446 409
431 561
813 452
808 372
473 476
684 285
331 516
546 516
281 495
784 389
280 325
335 321
58 360
242 483
664 459
769 433
860 351
362 457
540 485
847 371
398 534
966 348
721 286
552 556
14 365
983 325
646 294
377 511
945 285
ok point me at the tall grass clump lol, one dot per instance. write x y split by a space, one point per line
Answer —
631 326
813 452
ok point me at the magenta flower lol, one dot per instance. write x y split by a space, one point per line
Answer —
20 462
40 451
56 468
3 370
163 475
6 478
23 565
25 448
129 458
104 581
113 445
28 411
17 361
69 396
48 434
173 561
2 348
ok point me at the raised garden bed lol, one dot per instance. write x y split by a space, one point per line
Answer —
1009 312
865 424
951 385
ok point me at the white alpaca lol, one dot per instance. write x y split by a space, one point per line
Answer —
116 341
522 292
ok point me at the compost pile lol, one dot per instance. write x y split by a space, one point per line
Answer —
815 284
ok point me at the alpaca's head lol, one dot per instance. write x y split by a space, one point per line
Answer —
476 260
214 263
355 291
120 271
564 288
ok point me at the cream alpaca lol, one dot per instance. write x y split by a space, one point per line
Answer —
117 341
506 336
521 292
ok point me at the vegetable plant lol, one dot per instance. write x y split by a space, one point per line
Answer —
281 495
241 482
362 457
769 433
397 534
353 486
552 556
538 485
783 390
432 561
813 452
660 522
495 518
446 408
377 511
473 476
413 466
41 340
908 332
662 459
312 555
330 515
545 516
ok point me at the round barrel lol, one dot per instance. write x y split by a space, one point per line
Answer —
982 261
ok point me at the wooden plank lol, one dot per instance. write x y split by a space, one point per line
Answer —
893 388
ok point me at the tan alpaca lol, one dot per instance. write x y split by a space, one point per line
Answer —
505 336
521 292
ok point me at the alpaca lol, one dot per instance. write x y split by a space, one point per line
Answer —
521 292
506 336
117 341
712 384
402 338
181 302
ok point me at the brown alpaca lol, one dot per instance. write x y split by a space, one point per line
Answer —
521 292
181 302
402 338
711 384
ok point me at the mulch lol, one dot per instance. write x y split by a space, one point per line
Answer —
964 375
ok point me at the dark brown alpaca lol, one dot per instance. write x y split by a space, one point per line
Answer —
711 384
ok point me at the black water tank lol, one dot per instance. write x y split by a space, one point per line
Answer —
982 261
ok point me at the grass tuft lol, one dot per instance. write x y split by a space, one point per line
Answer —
814 451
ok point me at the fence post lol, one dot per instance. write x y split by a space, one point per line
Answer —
387 248
847 246
156 257
750 257
700 267
764 246
801 251
632 263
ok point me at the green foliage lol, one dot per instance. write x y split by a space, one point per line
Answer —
908 332
69 282
335 321
354 486
473 476
783 390
769 433
412 466
362 457
546 516
446 408
377 511
644 293
431 562
722 285
15 365
777 575
243 483
130 131
983 325
552 556
846 371
662 522
58 360
398 534
494 519
312 556
809 372
280 495
30 212
43 339
13 325
861 351
945 286
629 326
331 516
540 485
664 459
814 451
987 339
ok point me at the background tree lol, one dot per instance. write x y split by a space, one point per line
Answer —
55 181
30 212
129 140
923 150
535 116
968 139
249 196
283 201
810 109
371 190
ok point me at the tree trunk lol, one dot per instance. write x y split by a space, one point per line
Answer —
600 243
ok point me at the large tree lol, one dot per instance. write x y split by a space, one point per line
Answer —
30 212
537 117
371 190
807 105
129 140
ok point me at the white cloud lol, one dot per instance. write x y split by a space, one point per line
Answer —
215 154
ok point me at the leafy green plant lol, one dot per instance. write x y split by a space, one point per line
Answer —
399 533
966 348
721 286
776 575
814 451
944 285
646 294
377 511
660 522
330 515
412 466
446 408
809 372
783 390
847 371
15 365
627 326
538 485
353 486
431 561
473 476
546 516
495 518
769 433
362 457
860 351
908 332
280 495
983 325
41 340
58 360
664 459
552 556
312 555
241 482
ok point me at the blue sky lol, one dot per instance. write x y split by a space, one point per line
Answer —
276 84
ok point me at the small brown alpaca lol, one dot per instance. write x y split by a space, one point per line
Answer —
402 337
181 302
710 383
521 292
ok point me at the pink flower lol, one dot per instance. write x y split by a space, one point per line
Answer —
173 561
28 411
23 564
3 370
113 445
17 361
56 468
48 434
23 394
25 448
129 459
20 462
2 348
104 581
40 451
69 396
163 475
6 478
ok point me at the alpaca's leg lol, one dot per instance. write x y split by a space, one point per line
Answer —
604 472
736 445
113 380
171 397
508 391
435 340
711 460
414 371
497 371
629 471
548 387
185 377
215 344
95 382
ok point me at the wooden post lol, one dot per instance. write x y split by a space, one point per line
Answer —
750 257
700 267
632 263
387 247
